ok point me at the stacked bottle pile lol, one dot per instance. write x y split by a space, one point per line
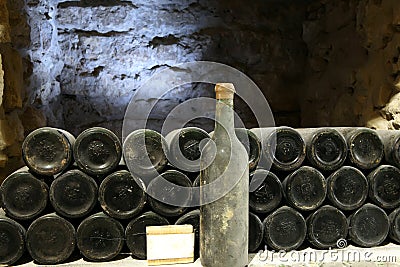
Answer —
93 195
327 187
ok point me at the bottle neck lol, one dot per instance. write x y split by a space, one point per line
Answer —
224 116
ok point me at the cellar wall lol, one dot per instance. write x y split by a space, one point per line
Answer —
76 64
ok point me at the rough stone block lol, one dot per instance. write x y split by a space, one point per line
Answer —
4 23
13 78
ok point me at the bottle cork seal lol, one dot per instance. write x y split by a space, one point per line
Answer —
224 90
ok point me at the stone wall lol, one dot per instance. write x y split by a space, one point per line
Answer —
76 64
354 67
89 57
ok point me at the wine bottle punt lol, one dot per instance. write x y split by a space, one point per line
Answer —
192 218
347 188
122 195
23 196
12 241
144 153
326 226
100 237
284 229
97 151
384 183
224 190
135 232
73 194
170 194
369 226
48 151
305 188
265 191
50 239
326 148
256 232
282 146
365 148
184 148
394 230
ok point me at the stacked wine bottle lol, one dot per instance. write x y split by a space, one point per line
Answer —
96 196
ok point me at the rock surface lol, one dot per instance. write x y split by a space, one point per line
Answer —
76 64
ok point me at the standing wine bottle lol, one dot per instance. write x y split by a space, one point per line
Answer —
305 188
365 147
347 188
384 184
224 190
326 226
394 230
193 218
282 146
184 148
97 151
144 153
73 194
122 195
265 191
326 148
12 241
369 226
24 196
50 239
284 229
256 232
100 237
48 151
135 232
391 145
170 193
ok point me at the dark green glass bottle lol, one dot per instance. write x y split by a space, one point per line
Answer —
305 188
50 239
347 188
369 226
284 229
365 147
12 241
100 237
265 191
48 151
224 190
184 148
97 151
384 186
326 148
283 147
326 226
391 145
144 152
170 194
122 195
23 196
73 194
